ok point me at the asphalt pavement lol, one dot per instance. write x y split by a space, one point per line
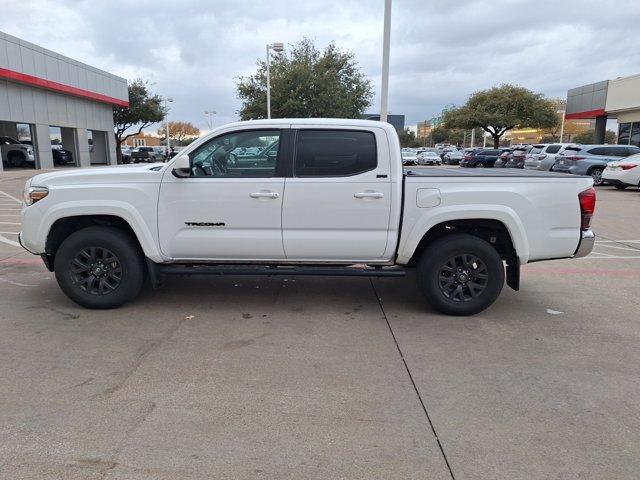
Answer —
348 378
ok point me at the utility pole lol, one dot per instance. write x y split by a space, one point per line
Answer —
166 119
473 137
386 42
276 47
210 114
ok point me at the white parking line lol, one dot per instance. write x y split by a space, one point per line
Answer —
604 246
10 196
9 233
10 223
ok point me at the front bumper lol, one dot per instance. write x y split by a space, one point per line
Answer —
587 240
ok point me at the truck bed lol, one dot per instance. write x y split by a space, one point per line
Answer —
480 172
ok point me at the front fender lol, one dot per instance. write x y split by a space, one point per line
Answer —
501 213
143 231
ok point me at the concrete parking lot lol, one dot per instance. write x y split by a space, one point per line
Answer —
325 377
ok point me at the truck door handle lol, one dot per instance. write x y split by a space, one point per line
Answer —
369 195
264 195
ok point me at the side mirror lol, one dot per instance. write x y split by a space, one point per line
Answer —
182 166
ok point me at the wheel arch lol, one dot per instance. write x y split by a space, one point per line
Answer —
493 231
65 223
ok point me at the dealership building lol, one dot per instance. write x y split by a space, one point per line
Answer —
609 99
47 98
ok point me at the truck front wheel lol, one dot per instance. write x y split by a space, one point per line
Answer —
460 274
100 267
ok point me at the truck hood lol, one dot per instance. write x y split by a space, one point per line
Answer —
138 173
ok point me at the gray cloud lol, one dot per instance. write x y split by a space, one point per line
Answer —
441 51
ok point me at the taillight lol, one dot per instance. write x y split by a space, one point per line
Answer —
468 157
587 201
575 158
627 166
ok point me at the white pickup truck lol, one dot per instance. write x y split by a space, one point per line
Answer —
302 197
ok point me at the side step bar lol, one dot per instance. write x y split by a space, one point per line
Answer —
227 269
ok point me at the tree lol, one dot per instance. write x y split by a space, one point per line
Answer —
408 139
145 109
589 137
180 132
307 83
503 108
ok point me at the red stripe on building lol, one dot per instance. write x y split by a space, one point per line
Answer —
587 114
59 87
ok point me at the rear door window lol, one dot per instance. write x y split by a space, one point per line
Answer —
598 151
334 153
553 149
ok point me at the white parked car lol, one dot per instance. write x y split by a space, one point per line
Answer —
334 200
429 158
409 158
624 173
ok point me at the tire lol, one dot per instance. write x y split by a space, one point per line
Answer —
16 159
621 187
116 267
596 174
468 260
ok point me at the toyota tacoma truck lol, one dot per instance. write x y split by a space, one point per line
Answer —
334 200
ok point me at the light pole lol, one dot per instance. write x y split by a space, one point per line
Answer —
210 114
166 119
386 41
276 47
564 112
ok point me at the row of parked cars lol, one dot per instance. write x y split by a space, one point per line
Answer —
606 164
16 153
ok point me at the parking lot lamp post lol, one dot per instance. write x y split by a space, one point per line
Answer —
562 124
210 114
473 137
166 120
276 47
386 40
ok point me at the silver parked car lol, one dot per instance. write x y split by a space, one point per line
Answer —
591 159
545 158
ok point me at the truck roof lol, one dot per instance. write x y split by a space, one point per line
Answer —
314 121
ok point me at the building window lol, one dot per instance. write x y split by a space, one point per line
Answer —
635 134
624 130
139 142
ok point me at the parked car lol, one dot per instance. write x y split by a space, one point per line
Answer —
126 154
161 153
429 158
544 159
503 158
623 173
591 159
192 216
60 155
453 157
517 156
144 154
484 157
16 154
409 158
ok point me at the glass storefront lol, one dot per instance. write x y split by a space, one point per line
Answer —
629 134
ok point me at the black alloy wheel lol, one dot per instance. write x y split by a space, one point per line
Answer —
463 278
96 270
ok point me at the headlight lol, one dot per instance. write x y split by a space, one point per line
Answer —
34 194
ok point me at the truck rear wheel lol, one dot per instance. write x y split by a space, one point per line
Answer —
460 274
100 267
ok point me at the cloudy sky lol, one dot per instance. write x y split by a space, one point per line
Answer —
441 51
